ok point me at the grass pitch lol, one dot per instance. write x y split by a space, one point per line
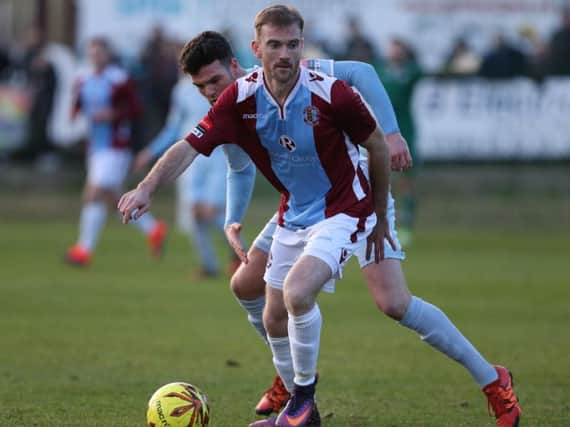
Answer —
88 347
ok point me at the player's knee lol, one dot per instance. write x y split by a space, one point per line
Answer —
275 322
394 307
297 301
93 194
245 285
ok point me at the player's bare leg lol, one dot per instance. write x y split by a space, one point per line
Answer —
389 290
247 282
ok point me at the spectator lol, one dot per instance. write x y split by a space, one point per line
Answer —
42 82
359 47
503 61
535 49
5 62
160 70
462 60
559 48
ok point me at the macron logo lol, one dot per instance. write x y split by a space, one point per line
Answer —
251 116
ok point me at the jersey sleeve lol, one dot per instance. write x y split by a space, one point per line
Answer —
365 79
218 126
125 100
351 113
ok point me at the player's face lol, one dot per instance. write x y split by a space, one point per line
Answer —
279 49
98 55
212 79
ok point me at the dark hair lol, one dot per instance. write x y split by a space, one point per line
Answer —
204 49
279 15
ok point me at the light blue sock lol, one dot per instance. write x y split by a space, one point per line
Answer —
254 310
204 245
91 222
145 223
282 360
436 329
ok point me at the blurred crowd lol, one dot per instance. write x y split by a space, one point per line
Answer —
155 71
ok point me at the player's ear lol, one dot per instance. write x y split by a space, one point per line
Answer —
255 48
234 67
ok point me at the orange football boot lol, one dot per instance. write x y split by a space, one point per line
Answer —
274 399
502 399
157 239
77 255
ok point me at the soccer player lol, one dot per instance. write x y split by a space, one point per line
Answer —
106 96
201 189
320 224
212 72
212 69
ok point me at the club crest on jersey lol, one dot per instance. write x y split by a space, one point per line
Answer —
311 115
287 142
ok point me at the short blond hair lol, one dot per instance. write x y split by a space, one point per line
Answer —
279 15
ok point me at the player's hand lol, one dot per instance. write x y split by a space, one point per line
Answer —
400 157
142 159
233 235
375 240
134 204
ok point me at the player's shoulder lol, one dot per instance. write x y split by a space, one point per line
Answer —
318 83
325 66
115 74
249 84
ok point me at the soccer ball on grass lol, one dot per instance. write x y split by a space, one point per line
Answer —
178 405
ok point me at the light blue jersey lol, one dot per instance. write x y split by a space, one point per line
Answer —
359 75
307 148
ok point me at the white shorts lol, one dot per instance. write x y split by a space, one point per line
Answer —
389 253
265 237
108 168
332 240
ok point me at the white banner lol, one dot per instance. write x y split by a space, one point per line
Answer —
482 120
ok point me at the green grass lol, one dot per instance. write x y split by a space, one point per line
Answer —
88 347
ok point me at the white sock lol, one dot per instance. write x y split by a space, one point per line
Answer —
91 221
436 329
254 310
145 223
282 360
305 335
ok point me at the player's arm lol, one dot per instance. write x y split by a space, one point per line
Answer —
379 171
176 159
165 138
240 183
217 126
364 78
357 122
